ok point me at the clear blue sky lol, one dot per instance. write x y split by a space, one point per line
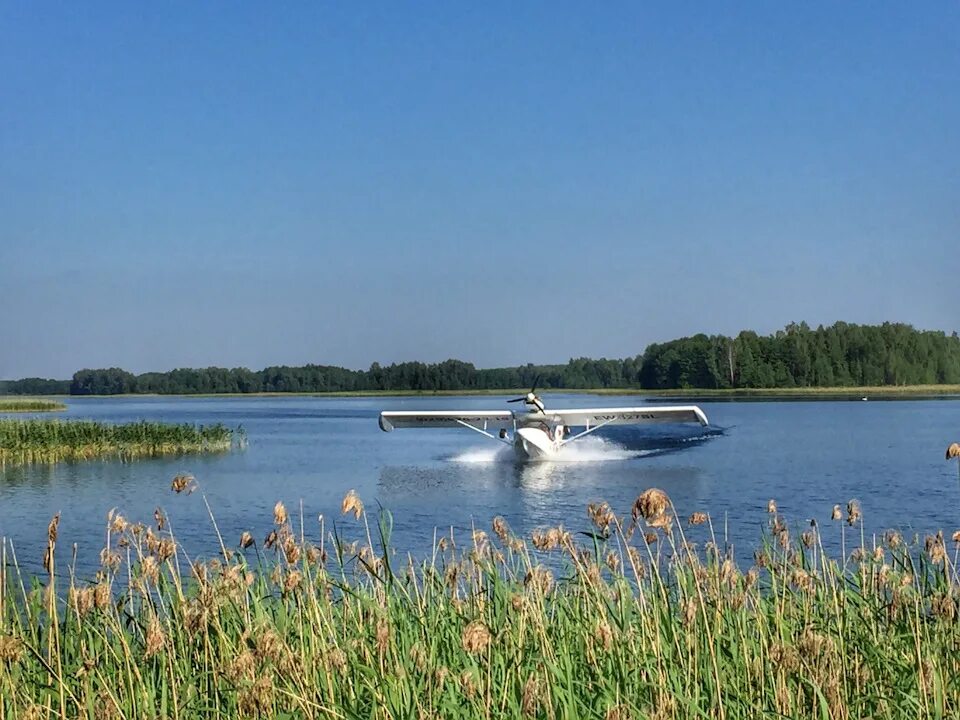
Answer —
245 184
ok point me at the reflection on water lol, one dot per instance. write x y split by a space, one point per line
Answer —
308 452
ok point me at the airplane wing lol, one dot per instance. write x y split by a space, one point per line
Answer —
631 416
477 419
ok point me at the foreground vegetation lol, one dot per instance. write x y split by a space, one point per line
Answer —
841 355
15 404
24 442
631 620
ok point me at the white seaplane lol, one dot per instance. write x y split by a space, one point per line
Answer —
538 433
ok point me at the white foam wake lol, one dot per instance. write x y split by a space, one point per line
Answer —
484 455
589 449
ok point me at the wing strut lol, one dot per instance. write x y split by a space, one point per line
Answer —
483 431
585 432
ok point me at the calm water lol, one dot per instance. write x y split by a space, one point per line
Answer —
310 451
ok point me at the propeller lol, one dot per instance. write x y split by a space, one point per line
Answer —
531 397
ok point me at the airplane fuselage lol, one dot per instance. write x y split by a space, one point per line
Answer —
537 436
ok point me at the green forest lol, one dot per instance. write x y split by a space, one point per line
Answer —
841 355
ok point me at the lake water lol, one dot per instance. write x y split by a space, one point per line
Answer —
308 452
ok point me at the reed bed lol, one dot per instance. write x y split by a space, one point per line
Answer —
18 404
24 442
630 620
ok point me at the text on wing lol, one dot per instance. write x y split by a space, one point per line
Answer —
446 418
622 416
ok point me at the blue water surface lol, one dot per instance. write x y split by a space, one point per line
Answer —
308 452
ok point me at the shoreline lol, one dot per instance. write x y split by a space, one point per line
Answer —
857 392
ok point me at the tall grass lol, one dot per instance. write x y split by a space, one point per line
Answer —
628 621
19 404
25 442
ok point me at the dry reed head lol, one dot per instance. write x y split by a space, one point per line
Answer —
943 606
601 515
953 451
279 514
479 538
183 483
533 692
52 528
539 579
242 667
316 556
697 518
81 600
784 657
270 540
11 649
475 637
352 503
650 503
894 539
150 569
779 529
619 712
771 506
663 521
291 550
803 580
418 655
551 538
256 700
118 523
468 684
160 518
501 529
155 639
440 676
812 645
853 512
337 659
383 635
933 546
102 596
268 645
110 559
166 548
602 637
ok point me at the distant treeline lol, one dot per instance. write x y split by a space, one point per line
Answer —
835 356
797 356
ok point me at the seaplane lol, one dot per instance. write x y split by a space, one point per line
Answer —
536 433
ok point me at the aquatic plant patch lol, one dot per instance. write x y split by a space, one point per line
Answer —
28 405
24 442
